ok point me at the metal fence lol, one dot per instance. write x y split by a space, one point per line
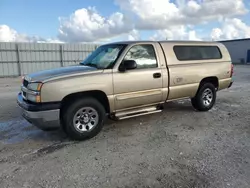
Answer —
21 58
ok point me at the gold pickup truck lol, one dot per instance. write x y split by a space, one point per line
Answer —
123 80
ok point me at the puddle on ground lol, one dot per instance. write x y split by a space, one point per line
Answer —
16 131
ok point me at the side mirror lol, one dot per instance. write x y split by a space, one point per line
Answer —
127 65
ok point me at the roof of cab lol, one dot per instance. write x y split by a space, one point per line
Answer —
166 41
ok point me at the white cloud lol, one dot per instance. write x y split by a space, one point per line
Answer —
162 14
168 20
88 25
192 35
216 34
149 14
8 34
231 29
134 35
49 41
175 33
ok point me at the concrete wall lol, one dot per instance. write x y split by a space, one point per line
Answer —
21 58
238 50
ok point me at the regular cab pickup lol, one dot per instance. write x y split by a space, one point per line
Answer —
123 80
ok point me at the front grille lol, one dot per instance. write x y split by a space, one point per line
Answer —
25 83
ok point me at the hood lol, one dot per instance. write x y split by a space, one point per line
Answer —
58 72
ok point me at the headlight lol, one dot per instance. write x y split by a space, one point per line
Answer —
33 92
35 86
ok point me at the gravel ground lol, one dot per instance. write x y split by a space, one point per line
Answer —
176 148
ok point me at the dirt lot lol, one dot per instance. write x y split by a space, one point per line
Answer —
176 148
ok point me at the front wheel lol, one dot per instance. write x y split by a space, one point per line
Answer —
84 119
205 97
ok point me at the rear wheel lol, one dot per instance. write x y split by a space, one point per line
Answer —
83 119
205 97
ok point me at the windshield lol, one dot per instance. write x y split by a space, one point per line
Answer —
104 57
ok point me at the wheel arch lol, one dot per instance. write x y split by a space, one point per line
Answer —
212 79
96 94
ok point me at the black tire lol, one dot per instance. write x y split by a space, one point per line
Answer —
198 101
69 113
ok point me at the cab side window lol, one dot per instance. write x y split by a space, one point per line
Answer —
144 55
191 53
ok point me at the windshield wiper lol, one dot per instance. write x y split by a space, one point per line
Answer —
90 65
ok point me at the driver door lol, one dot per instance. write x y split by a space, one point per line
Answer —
142 85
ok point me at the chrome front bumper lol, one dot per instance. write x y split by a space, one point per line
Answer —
44 119
42 116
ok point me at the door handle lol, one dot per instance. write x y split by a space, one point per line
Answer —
157 75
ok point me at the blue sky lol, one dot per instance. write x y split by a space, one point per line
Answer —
41 18
35 17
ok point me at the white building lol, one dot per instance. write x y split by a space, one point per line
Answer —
239 50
